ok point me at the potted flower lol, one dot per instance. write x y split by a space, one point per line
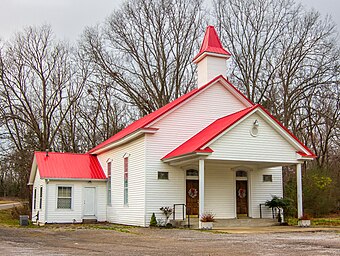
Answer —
304 221
167 211
207 220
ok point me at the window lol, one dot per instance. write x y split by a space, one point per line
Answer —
163 175
40 197
192 172
35 199
109 183
241 174
126 180
267 178
64 197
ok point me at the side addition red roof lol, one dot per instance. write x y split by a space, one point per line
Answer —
211 43
195 143
68 166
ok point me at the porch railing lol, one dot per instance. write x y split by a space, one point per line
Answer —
273 213
184 213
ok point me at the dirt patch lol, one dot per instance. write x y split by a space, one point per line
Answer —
144 241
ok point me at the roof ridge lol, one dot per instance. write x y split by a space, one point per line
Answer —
252 107
53 152
146 120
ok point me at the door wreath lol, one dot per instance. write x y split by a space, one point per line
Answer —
193 192
242 193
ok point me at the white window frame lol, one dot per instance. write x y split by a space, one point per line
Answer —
126 181
40 197
57 197
109 185
160 173
267 178
35 198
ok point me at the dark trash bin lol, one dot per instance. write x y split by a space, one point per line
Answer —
23 220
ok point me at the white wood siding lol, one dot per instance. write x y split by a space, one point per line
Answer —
75 214
134 212
209 68
219 191
174 129
238 144
263 191
36 185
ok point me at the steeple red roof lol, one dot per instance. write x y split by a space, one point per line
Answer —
211 44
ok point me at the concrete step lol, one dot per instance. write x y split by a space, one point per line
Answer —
89 220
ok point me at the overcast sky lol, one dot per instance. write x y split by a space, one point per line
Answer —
68 18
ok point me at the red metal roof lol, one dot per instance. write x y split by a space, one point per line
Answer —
68 166
211 43
144 121
195 143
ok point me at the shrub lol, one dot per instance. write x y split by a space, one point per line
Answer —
153 221
20 210
305 217
279 203
207 217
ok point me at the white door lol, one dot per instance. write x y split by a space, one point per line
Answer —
89 201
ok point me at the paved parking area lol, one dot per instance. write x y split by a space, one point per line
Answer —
145 241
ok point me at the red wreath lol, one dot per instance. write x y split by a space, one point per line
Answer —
193 192
242 193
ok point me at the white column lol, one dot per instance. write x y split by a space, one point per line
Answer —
299 190
201 189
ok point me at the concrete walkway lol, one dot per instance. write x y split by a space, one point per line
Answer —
274 229
9 206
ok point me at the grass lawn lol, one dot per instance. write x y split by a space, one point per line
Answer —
7 202
334 221
7 220
326 221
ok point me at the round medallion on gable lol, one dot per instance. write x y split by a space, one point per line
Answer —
254 131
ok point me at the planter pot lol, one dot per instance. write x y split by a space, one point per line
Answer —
206 225
304 223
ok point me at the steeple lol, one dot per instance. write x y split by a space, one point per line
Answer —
211 59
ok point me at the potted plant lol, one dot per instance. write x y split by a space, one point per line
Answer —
167 211
304 221
280 204
207 220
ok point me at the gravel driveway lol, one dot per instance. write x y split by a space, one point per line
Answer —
144 241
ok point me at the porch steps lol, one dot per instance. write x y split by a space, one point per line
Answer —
89 220
242 222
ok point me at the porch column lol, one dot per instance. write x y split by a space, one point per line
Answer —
299 190
201 189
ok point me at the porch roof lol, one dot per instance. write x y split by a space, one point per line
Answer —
198 143
195 143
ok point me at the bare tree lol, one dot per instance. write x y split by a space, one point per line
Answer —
279 50
146 49
38 87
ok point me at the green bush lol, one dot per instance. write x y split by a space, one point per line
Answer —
153 221
320 191
280 203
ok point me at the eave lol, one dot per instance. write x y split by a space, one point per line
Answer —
126 139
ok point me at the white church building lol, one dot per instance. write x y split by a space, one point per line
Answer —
211 150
